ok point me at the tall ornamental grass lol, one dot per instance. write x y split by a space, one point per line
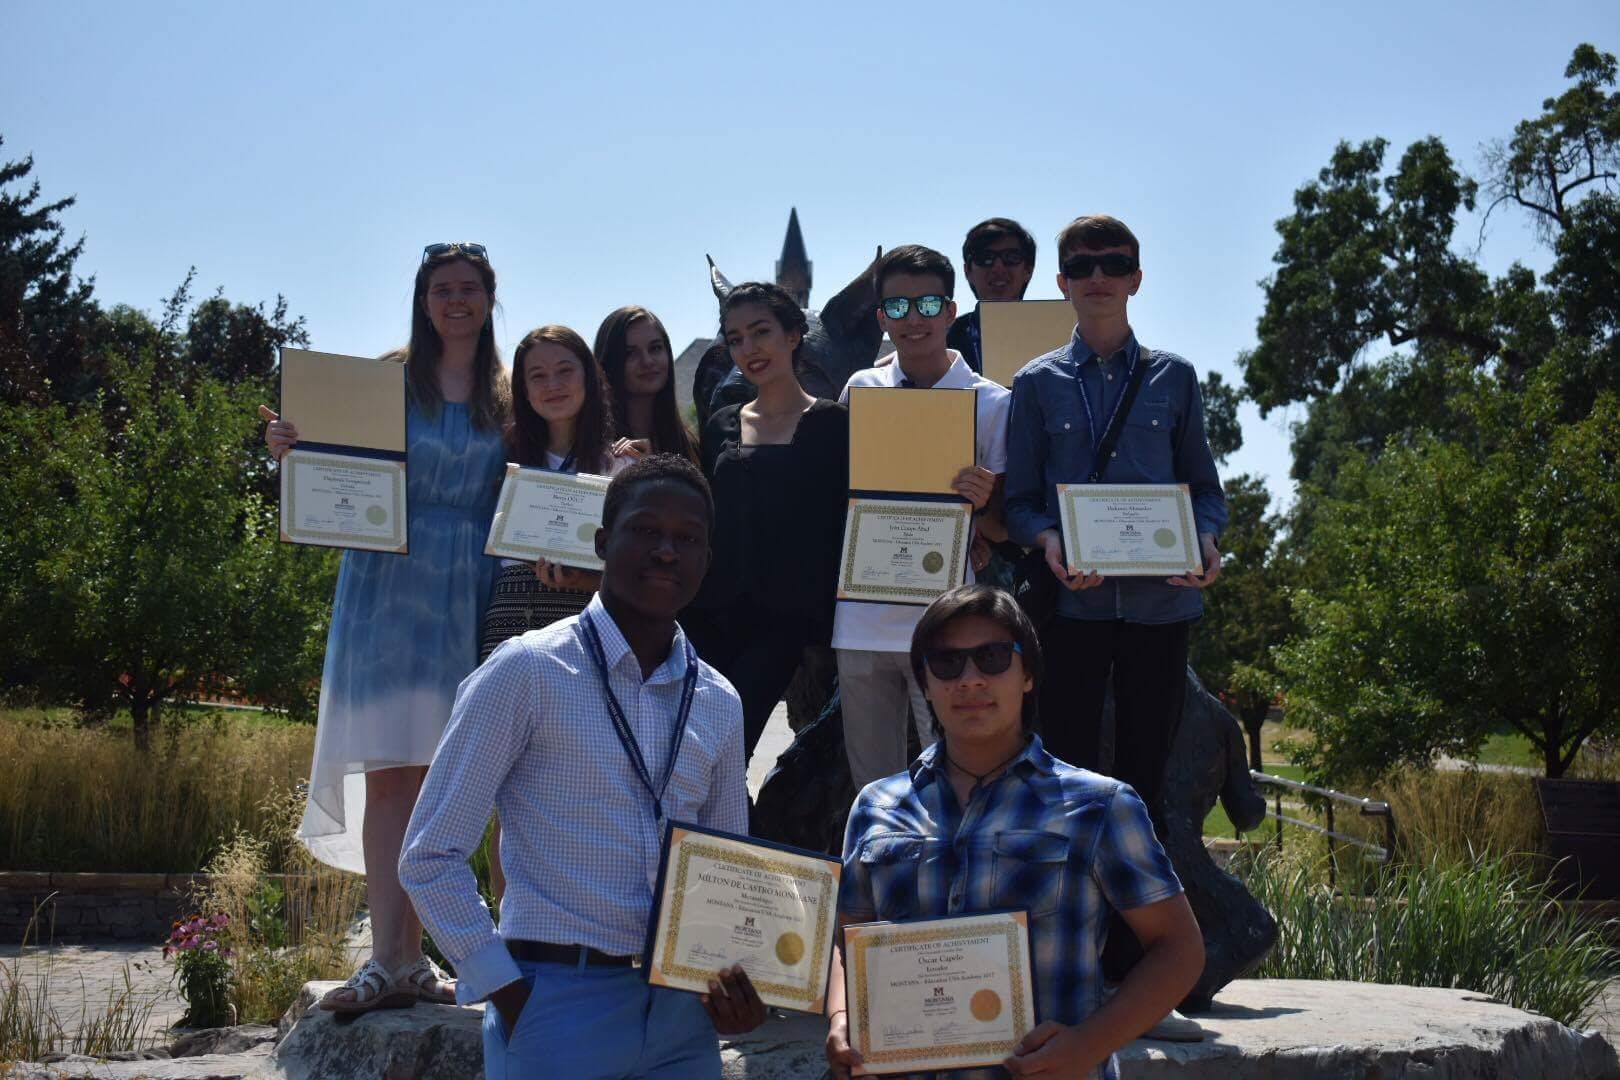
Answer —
1486 926
85 799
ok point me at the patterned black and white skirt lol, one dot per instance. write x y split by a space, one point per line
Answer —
520 603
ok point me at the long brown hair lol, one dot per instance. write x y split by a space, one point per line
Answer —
669 433
528 436
490 403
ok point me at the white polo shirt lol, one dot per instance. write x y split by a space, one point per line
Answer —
888 627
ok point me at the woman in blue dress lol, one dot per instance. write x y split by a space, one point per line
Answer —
405 627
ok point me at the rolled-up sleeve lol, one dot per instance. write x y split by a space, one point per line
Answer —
1027 512
1195 464
489 728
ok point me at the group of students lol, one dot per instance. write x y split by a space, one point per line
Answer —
594 716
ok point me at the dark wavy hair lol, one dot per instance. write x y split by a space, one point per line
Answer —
773 298
490 403
992 230
649 469
1000 608
669 434
528 436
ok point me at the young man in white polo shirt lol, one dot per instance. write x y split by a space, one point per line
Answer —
873 641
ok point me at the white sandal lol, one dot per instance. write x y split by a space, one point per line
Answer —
428 980
372 988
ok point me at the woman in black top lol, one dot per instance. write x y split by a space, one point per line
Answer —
779 466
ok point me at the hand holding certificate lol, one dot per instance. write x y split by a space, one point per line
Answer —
1126 530
949 993
726 900
343 484
543 514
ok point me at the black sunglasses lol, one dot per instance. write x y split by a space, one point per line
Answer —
898 307
991 658
477 251
1079 267
1009 259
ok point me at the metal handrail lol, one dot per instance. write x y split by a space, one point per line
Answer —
1365 807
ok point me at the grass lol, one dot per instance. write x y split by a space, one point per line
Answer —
84 799
1485 925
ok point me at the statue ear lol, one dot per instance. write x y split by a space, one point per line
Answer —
717 281
855 301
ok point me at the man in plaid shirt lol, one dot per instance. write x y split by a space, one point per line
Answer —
986 819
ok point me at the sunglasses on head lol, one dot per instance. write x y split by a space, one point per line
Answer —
1009 259
991 658
1079 267
477 251
898 307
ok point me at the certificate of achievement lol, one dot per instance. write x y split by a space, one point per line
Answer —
726 900
543 514
1124 530
903 551
341 500
938 994
343 484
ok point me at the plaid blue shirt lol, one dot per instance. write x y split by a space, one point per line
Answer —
1061 842
530 737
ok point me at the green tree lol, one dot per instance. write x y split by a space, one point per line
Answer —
1471 593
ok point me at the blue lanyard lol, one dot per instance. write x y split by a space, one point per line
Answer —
621 726
1085 398
567 464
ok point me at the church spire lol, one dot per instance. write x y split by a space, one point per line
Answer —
793 268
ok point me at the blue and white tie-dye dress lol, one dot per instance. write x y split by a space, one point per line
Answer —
404 628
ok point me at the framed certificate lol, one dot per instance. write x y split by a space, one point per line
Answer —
546 514
343 485
903 551
1125 530
725 899
1014 332
952 993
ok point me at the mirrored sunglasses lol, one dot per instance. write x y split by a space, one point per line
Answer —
898 307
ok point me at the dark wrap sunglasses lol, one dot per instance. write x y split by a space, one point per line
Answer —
991 658
1010 259
1079 267
462 247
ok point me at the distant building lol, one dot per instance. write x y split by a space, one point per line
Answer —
793 268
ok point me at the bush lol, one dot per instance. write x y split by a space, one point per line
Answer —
1485 926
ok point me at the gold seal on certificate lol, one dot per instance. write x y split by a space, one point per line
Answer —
726 900
341 500
903 551
1125 530
543 514
950 993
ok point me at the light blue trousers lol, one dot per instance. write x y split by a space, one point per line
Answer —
596 1023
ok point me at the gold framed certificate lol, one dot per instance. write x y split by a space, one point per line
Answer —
952 993
1126 530
725 899
343 484
545 514
903 551
1014 332
343 500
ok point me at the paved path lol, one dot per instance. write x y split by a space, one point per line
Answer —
87 980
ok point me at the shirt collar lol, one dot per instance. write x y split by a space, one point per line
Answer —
615 648
1083 352
931 764
957 377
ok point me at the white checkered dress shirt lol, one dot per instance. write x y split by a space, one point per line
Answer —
530 737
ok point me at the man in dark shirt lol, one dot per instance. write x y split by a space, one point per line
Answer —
998 258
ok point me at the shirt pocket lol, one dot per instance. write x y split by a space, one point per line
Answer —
1065 421
1148 440
690 785
893 864
1027 870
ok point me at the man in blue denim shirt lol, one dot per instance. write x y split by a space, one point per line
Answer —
1132 631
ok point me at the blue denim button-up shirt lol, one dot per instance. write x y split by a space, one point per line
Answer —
1050 442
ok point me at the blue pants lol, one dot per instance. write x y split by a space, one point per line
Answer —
600 1022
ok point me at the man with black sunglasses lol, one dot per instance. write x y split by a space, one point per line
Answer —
875 681
1131 632
998 260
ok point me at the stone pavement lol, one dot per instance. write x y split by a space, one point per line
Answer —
81 980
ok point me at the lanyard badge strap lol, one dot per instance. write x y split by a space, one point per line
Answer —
1099 436
621 726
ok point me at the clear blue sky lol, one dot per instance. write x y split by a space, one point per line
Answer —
601 150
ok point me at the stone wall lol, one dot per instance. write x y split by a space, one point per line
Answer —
78 908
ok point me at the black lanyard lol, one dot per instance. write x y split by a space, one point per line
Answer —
1094 431
621 726
567 464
